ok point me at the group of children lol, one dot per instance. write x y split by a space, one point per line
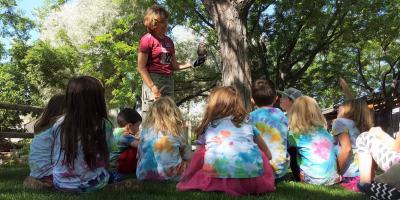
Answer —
239 153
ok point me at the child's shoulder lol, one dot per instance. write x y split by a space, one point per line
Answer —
118 131
267 110
343 121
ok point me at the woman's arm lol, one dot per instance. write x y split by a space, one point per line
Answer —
142 61
345 149
261 144
179 66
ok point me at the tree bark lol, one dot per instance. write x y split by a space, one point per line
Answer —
229 18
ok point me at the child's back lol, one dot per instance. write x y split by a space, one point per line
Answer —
79 177
340 126
41 146
160 157
231 151
316 153
163 147
272 124
316 156
232 159
40 154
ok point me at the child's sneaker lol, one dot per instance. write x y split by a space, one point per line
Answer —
381 191
128 184
33 183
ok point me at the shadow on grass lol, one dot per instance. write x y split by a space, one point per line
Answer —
11 178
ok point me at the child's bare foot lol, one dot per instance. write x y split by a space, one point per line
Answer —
33 183
129 184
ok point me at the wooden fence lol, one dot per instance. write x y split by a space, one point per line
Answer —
23 108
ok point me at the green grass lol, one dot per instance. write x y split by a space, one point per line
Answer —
11 178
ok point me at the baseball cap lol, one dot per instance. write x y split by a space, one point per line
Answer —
291 93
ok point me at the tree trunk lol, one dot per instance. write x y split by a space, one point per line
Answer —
230 17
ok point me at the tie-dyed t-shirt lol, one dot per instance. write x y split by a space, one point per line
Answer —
160 156
79 178
343 125
231 151
121 143
316 156
272 124
40 154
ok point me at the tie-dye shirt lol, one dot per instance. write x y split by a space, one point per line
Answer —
121 143
160 156
40 154
80 178
343 125
272 124
231 151
316 156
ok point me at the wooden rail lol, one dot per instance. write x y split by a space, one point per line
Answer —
15 135
24 108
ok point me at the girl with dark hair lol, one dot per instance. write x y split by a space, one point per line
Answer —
83 138
40 148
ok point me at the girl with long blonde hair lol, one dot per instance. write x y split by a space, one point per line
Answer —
307 133
163 146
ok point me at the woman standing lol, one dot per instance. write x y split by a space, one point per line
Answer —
156 58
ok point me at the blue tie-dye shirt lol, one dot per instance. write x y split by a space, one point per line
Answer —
231 151
160 156
343 125
316 156
272 124
40 154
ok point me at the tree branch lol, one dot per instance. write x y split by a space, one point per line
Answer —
196 94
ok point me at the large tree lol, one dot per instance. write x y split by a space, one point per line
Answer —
230 18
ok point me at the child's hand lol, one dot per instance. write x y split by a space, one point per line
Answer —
135 143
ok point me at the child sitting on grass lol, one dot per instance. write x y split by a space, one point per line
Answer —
163 147
83 139
308 134
41 175
271 124
230 160
354 117
124 155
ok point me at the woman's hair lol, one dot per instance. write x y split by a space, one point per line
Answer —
358 111
84 124
54 108
164 116
128 115
305 115
223 102
153 15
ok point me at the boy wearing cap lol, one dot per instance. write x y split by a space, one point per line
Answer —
271 124
288 97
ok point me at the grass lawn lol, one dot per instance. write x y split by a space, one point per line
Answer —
11 178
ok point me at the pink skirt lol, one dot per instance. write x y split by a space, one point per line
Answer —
195 179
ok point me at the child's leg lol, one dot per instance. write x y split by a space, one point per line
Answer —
381 153
127 161
366 172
